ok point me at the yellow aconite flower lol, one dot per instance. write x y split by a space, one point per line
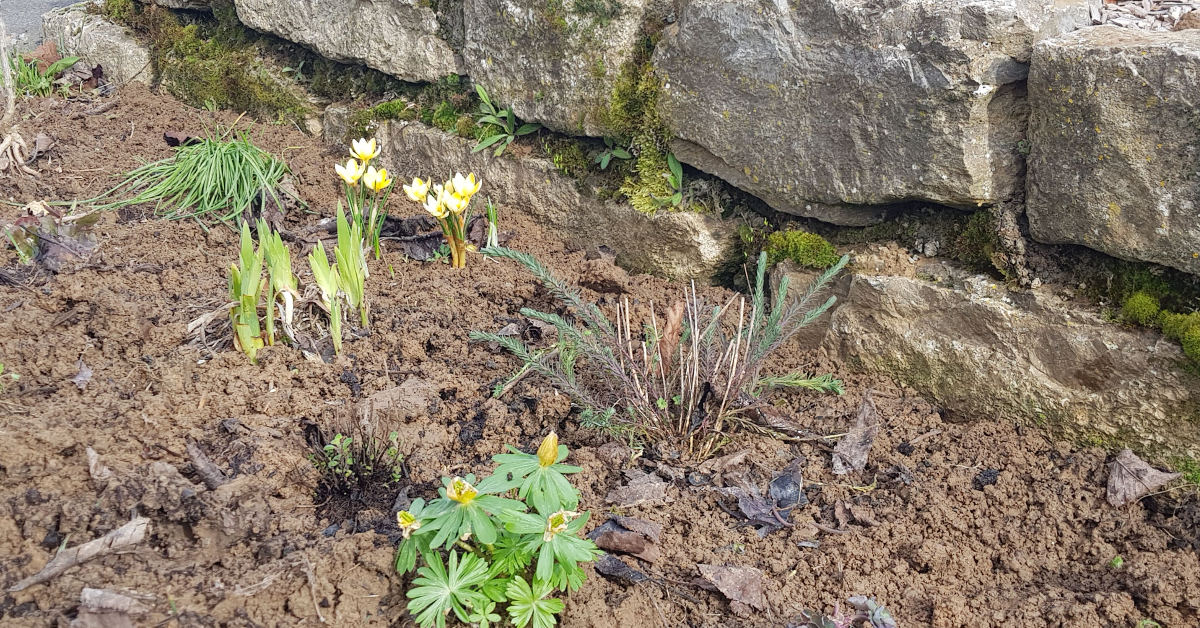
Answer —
547 452
467 186
418 190
351 172
557 522
364 149
461 491
408 523
376 180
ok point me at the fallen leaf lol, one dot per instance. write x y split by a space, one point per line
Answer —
738 584
648 529
84 375
176 139
725 463
100 473
1130 478
642 488
103 608
614 568
851 452
787 488
46 55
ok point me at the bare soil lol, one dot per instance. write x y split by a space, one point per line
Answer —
924 529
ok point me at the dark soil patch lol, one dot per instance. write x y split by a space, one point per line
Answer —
922 531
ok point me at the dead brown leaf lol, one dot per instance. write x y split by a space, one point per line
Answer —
1130 478
851 452
738 584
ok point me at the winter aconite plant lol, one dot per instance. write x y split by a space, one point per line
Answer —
683 378
483 551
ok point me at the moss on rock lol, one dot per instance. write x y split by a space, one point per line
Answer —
806 249
1140 308
209 61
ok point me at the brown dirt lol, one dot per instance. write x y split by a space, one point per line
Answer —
1032 549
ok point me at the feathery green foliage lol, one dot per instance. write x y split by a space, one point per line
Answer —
682 378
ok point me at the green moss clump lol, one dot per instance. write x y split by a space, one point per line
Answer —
117 10
211 62
1191 343
568 156
465 126
445 117
1140 308
1189 467
363 123
806 249
977 242
1176 326
635 115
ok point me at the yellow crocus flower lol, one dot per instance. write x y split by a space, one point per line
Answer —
351 172
455 203
434 206
364 149
376 180
467 186
418 190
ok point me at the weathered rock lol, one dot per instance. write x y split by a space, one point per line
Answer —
674 244
980 350
77 32
849 103
1115 144
553 63
396 37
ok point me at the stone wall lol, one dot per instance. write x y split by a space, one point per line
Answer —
838 109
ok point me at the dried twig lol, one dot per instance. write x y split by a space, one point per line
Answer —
212 476
120 539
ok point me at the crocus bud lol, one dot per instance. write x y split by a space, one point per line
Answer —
548 451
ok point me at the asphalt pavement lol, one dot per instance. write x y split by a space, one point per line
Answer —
24 19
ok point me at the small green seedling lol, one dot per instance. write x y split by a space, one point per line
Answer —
6 378
351 264
327 279
505 119
245 289
674 178
611 151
